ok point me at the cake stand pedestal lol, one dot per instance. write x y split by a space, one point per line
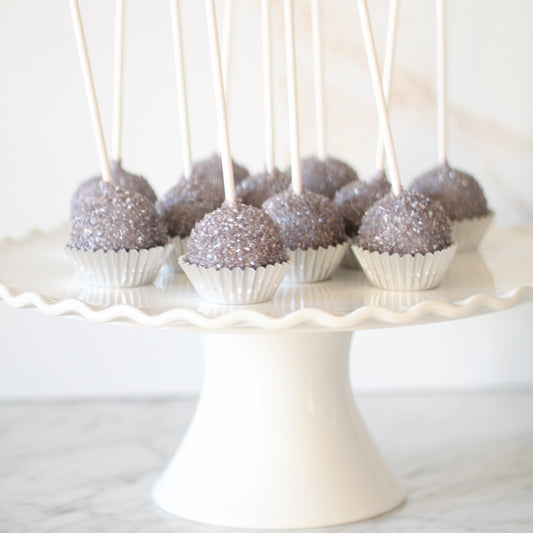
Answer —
276 440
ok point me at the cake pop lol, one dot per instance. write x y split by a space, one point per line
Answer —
407 223
121 178
307 220
257 188
210 168
187 202
356 197
116 219
235 254
236 236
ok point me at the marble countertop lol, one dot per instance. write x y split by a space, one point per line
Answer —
466 461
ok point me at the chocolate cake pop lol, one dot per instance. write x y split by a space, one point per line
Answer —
187 202
236 236
326 176
407 223
121 178
211 169
458 192
307 220
116 219
356 197
257 188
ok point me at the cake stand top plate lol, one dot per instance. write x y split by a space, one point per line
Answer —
35 272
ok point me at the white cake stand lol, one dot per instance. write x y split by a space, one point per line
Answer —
276 440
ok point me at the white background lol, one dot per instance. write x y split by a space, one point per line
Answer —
46 148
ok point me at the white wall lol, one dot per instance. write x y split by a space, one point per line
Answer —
46 148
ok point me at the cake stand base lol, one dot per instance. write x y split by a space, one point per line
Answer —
276 441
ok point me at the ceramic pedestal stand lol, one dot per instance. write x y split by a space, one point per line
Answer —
276 440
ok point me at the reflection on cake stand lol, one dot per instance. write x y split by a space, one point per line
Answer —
276 440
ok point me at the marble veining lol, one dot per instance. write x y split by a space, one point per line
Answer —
465 460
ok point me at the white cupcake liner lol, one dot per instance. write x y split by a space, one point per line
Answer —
309 266
348 259
118 269
235 286
396 272
179 248
467 233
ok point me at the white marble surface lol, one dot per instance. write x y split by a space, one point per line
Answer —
465 460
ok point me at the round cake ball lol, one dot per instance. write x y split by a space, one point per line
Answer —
211 169
236 236
255 189
458 192
187 202
357 197
325 176
116 219
121 178
307 220
409 223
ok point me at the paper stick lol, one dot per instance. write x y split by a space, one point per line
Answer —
267 84
225 152
441 81
116 151
319 79
226 43
91 93
387 75
182 88
296 171
379 96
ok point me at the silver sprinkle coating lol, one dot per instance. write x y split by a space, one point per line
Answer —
257 188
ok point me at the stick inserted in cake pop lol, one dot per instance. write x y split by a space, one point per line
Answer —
116 151
90 90
388 64
296 171
379 96
267 84
182 88
227 34
318 66
441 81
225 152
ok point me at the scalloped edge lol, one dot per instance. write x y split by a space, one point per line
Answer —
182 318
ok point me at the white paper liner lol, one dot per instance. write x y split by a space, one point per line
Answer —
309 266
467 233
179 248
235 286
396 272
118 269
348 259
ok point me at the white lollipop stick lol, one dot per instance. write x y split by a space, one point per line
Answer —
225 152
441 81
387 74
182 88
379 96
226 42
319 79
117 81
296 171
267 82
91 93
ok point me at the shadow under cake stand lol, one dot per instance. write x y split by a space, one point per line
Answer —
276 440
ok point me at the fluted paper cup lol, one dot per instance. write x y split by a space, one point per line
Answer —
467 233
235 286
118 269
179 248
407 272
309 266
